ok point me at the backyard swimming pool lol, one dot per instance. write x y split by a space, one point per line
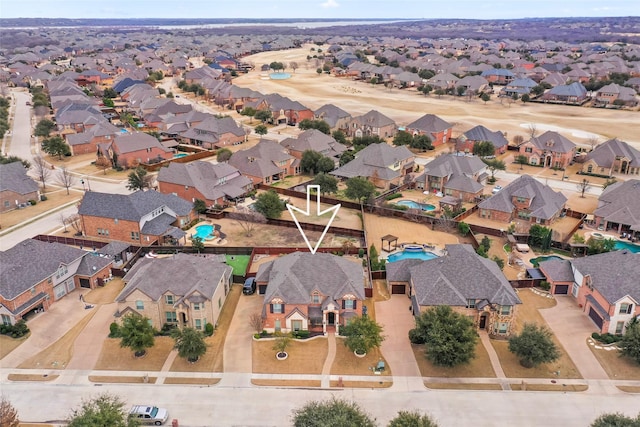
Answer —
279 76
538 260
415 205
204 232
408 254
631 247
179 155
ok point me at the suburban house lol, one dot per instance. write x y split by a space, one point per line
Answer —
499 76
130 149
461 177
550 150
385 166
619 208
573 93
314 140
468 140
214 184
180 290
143 217
613 157
519 87
470 284
16 187
87 142
373 123
524 199
614 94
335 117
284 110
314 292
605 286
265 163
432 126
35 274
215 132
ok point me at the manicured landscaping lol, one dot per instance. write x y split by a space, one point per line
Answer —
549 387
462 386
122 380
305 357
115 358
239 263
191 381
8 344
347 363
616 367
31 377
286 383
479 367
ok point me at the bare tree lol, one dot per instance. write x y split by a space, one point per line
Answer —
583 186
293 65
533 130
63 220
248 219
66 178
74 221
413 215
8 414
518 140
446 221
42 170
103 163
255 320
593 142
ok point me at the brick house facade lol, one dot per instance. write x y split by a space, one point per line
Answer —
16 187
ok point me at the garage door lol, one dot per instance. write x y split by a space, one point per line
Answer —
561 289
595 317
398 289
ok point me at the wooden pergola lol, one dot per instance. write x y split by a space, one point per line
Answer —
389 238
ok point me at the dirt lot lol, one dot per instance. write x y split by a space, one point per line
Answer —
404 106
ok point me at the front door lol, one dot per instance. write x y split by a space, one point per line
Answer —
278 326
483 321
331 318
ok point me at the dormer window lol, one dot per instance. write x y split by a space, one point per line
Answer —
315 297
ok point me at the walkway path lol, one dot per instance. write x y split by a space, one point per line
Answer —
495 361
328 362
88 344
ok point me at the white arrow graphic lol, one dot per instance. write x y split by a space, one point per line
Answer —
292 210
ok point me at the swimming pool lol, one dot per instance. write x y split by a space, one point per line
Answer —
621 244
204 232
409 254
415 205
538 260
179 155
279 76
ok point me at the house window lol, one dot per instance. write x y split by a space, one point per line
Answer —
349 304
196 306
315 298
277 308
505 310
171 316
296 325
198 324
524 215
6 320
7 204
502 327
219 302
589 168
528 150
619 328
625 308
521 199
471 303
135 235
139 305
168 299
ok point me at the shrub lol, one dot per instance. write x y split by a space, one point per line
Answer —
393 196
208 329
32 202
301 334
19 329
545 285
595 336
166 329
415 337
114 330
360 252
264 333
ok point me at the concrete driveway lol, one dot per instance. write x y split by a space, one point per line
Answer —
573 327
237 346
396 319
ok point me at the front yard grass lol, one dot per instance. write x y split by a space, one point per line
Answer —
191 381
239 263
286 383
55 198
549 387
8 344
122 380
31 377
383 383
616 366
305 357
116 358
347 363
462 386
479 367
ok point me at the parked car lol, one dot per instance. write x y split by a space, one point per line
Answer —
496 189
149 415
249 286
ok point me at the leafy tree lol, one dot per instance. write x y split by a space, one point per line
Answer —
616 420
56 146
138 179
197 244
412 419
8 414
521 159
190 343
525 98
275 66
109 102
223 155
485 97
263 115
103 411
109 93
103 163
281 343
248 111
540 236
583 186
10 159
461 90
327 183
325 164
309 161
630 343
320 125
44 128
449 337
363 334
402 138
498 261
339 136
261 130
269 204
346 157
359 189
596 246
421 142
484 149
463 228
199 206
136 333
608 182
534 345
494 165
331 413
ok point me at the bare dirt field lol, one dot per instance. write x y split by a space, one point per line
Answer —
406 105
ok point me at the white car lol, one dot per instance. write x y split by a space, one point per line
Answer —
150 415
496 189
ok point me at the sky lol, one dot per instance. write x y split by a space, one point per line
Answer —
343 9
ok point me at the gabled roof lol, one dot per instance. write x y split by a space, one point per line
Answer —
481 133
131 207
13 177
605 154
331 114
620 203
544 202
136 141
553 141
451 165
260 160
574 89
459 276
182 275
430 123
374 119
557 270
614 274
314 140
293 277
375 159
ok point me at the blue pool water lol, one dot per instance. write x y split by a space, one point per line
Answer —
415 205
627 245
536 261
279 76
179 155
399 256
204 231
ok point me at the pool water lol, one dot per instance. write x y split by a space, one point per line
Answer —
538 260
179 155
620 244
279 76
204 231
415 205
399 256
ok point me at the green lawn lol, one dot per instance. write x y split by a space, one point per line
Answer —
239 263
